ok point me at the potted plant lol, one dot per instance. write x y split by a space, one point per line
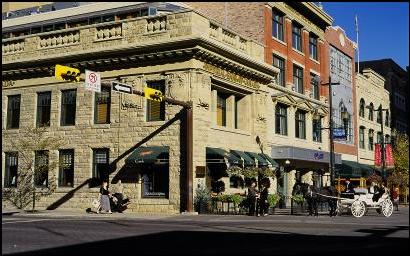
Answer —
202 199
236 199
299 200
273 199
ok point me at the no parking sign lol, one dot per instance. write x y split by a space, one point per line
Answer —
92 81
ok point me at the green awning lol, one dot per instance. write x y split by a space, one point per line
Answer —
155 154
218 155
261 160
270 159
240 154
350 169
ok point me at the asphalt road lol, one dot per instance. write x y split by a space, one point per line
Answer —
205 235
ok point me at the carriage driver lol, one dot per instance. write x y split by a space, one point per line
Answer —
349 186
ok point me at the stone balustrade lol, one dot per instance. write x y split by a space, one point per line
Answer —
157 24
109 32
131 31
59 39
13 46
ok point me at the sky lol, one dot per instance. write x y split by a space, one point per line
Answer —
383 28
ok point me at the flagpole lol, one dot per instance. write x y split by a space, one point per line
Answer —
357 42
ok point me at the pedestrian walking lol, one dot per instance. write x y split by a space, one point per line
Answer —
253 194
104 198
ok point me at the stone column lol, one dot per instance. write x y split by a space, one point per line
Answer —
290 182
213 106
291 121
230 111
307 177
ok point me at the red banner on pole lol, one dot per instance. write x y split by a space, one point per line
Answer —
389 156
377 155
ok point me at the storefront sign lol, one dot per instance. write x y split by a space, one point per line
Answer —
318 156
224 74
128 104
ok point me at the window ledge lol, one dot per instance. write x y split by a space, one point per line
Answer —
153 200
297 51
279 41
101 126
316 61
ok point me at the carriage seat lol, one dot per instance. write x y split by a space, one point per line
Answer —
360 191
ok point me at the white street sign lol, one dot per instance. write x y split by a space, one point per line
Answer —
92 81
119 87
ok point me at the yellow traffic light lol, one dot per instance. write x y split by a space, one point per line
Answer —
153 94
67 73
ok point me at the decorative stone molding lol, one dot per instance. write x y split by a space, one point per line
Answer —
13 47
60 39
108 32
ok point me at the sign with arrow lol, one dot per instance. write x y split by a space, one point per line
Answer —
120 87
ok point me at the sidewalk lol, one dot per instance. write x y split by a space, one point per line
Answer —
81 214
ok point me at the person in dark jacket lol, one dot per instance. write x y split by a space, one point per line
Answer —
253 194
263 200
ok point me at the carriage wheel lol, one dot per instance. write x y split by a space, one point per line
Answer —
387 207
358 208
338 208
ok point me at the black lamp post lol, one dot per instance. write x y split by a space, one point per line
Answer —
345 116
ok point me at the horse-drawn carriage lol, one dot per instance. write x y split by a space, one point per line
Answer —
362 201
358 202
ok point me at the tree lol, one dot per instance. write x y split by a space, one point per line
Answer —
36 176
400 175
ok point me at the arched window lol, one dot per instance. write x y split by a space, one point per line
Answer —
379 115
371 108
387 121
362 104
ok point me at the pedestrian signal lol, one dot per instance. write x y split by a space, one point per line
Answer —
67 73
153 94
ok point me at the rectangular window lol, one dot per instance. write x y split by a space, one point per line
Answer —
43 109
66 175
298 78
101 164
13 112
313 46
300 124
317 130
315 87
155 180
41 168
280 64
361 137
370 140
281 124
155 109
277 25
10 177
68 107
221 109
296 37
102 106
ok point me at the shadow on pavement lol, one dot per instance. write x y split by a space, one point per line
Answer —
237 243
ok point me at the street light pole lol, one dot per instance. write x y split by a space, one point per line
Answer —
332 143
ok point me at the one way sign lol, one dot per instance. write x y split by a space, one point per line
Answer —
120 87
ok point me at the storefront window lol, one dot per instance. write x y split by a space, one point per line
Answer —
10 177
66 176
155 180
41 168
